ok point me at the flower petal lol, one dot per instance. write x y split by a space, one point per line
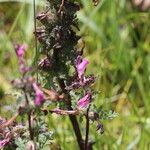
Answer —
81 65
39 96
3 142
20 50
85 101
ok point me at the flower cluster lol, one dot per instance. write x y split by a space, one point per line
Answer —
58 45
8 134
59 53
27 83
20 50
32 98
81 80
15 135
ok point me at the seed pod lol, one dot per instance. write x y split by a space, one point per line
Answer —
40 34
95 2
143 5
42 17
30 145
45 64
52 95
100 128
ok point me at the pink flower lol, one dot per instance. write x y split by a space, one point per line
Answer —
3 142
39 96
81 66
20 50
85 101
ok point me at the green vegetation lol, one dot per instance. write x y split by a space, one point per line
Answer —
117 38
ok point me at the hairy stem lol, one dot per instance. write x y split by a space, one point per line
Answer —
36 47
29 118
73 118
61 6
87 129
76 128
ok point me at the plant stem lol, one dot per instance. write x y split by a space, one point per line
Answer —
73 118
29 118
76 128
36 47
30 126
61 6
87 130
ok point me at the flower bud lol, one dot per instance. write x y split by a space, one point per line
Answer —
85 101
30 145
100 128
45 64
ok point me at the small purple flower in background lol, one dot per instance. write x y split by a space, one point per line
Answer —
20 50
3 142
85 101
81 66
39 96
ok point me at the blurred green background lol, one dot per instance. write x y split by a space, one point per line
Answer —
117 38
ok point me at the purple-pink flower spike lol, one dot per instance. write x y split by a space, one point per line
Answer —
85 101
3 142
20 50
39 96
81 66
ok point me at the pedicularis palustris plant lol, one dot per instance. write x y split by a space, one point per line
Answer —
64 88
